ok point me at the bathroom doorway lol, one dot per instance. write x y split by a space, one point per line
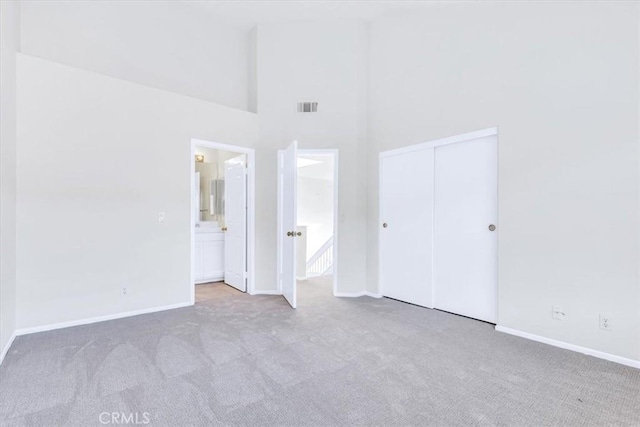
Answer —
222 218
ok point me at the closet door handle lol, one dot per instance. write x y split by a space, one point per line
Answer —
384 225
492 227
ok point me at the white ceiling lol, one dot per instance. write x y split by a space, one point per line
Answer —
246 14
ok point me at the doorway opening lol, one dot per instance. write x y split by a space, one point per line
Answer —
222 219
317 212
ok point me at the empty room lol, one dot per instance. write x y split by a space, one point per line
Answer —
319 213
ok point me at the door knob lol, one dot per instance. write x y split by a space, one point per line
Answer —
299 233
492 227
224 229
384 225
290 233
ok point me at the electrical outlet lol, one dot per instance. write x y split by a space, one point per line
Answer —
557 312
162 217
124 291
605 322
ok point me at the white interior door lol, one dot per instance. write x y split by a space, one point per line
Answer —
196 198
406 226
235 214
287 221
465 256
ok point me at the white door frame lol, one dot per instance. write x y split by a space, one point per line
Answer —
251 209
335 154
432 145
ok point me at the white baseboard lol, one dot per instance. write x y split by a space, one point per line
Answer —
87 321
5 350
572 347
267 292
356 294
349 294
209 280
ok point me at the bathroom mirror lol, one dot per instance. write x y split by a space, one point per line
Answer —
216 198
210 169
207 171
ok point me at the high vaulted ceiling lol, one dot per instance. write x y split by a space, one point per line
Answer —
246 14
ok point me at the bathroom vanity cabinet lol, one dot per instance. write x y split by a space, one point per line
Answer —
209 255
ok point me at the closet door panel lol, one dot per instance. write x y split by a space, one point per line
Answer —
406 225
465 246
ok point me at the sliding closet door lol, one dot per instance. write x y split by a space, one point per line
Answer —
465 238
406 221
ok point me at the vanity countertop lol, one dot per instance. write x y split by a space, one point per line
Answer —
207 227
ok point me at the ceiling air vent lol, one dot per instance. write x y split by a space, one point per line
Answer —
307 107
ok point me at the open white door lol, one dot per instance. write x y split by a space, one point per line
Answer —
235 242
287 221
196 198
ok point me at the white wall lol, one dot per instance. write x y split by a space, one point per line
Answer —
167 45
561 80
252 85
638 177
98 159
313 61
9 45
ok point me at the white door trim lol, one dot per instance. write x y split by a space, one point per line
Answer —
336 186
279 230
251 209
432 145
